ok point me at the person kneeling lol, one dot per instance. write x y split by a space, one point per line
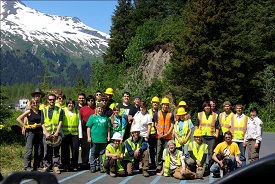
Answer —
113 156
136 152
174 164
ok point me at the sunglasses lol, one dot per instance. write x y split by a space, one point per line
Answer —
98 94
51 99
90 100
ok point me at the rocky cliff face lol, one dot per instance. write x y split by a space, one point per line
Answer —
153 65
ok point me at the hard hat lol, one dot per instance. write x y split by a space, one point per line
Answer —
181 111
165 100
155 99
109 91
182 103
117 136
135 128
197 133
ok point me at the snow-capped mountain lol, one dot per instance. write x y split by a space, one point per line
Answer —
55 33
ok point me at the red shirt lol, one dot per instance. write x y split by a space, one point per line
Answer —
85 113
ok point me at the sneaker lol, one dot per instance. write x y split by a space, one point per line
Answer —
102 171
56 170
145 173
92 170
112 174
75 169
45 169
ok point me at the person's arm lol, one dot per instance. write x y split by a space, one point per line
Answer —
89 134
148 131
108 134
144 145
110 155
80 135
129 149
214 157
20 119
59 123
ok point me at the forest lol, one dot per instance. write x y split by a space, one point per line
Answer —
222 50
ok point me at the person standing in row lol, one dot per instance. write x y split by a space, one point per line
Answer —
152 141
98 132
109 92
72 130
81 98
165 121
33 135
225 119
85 112
51 120
207 121
214 106
253 135
118 123
238 129
125 108
182 131
61 100
143 119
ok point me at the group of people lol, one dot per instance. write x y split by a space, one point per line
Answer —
118 138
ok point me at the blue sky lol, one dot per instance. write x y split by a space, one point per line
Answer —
95 14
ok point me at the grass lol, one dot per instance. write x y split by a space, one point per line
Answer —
11 158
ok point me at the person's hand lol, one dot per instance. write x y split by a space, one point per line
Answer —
89 139
256 146
114 157
200 168
48 135
198 163
182 171
146 139
245 143
220 163
136 152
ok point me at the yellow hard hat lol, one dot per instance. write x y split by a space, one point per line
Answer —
181 111
197 133
109 91
182 103
165 100
155 99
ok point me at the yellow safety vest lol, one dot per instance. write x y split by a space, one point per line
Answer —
153 128
70 126
198 153
51 124
133 146
225 121
238 130
183 133
110 148
207 126
166 154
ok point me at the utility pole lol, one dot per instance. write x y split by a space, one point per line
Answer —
45 77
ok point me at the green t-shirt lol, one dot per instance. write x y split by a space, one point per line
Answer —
99 128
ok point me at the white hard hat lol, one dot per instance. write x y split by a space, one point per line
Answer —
117 136
135 128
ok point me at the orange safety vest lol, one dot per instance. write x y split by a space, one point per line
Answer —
163 125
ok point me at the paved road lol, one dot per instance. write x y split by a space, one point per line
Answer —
85 177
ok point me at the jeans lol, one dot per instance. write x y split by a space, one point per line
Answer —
242 155
215 168
33 141
97 150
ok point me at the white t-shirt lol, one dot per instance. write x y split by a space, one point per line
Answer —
143 121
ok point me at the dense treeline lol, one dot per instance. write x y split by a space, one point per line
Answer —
220 49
